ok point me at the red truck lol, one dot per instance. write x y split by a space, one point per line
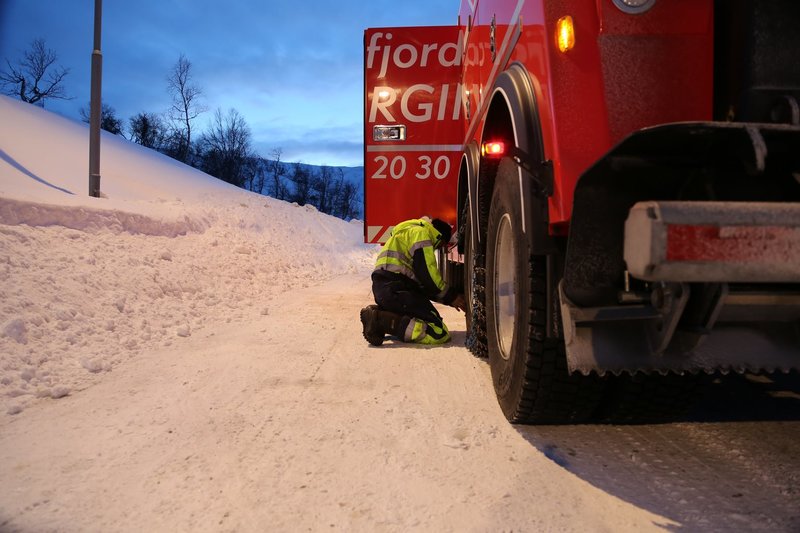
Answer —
624 176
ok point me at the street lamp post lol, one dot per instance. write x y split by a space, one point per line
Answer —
95 106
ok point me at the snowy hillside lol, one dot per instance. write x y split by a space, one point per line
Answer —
354 175
88 284
351 175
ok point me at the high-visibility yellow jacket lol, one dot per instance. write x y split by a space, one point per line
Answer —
410 251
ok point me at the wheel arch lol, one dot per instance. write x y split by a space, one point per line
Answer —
467 187
513 116
513 113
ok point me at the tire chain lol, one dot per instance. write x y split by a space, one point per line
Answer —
476 337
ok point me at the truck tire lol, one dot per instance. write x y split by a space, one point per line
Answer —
529 370
474 290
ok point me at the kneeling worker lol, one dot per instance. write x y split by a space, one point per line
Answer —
404 282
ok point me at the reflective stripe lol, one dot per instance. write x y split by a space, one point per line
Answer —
415 148
395 255
421 332
386 235
398 269
372 233
419 244
417 326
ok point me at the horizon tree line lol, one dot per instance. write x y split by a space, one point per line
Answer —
224 150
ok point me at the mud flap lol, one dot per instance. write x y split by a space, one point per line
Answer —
599 340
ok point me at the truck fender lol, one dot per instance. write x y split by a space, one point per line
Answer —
514 116
467 189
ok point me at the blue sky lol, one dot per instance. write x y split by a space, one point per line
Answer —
293 70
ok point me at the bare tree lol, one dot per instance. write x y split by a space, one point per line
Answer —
108 119
301 178
225 150
346 201
185 106
255 182
148 130
343 196
276 170
323 184
35 78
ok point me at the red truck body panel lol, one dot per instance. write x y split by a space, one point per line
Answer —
440 80
587 98
413 95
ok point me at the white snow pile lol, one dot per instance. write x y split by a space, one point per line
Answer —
88 283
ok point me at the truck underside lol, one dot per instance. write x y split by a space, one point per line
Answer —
730 301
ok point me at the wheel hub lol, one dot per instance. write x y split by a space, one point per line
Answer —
505 288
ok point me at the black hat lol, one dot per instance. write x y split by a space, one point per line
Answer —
443 228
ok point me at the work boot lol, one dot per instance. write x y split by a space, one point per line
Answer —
378 323
373 331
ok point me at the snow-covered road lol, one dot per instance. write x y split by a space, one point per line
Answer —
303 426
291 422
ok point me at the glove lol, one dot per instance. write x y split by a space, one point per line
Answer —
459 303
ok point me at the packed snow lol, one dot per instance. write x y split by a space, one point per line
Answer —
182 355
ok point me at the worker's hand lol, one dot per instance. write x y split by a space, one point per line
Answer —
459 303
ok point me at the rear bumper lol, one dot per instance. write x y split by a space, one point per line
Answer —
684 253
742 333
713 242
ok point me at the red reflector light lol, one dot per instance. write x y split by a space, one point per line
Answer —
494 149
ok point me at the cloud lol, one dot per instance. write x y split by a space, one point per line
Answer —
293 72
335 145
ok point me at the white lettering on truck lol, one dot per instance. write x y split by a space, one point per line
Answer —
381 51
383 97
408 55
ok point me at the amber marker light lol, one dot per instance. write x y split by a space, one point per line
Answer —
565 34
494 149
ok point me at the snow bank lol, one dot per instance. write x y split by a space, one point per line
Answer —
87 284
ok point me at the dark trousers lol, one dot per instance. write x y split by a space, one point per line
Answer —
398 294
